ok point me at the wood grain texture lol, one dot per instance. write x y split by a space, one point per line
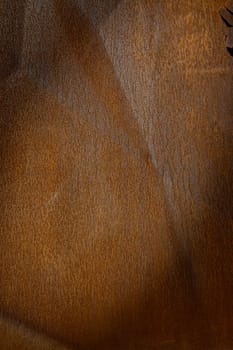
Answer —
116 176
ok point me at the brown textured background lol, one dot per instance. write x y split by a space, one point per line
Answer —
115 175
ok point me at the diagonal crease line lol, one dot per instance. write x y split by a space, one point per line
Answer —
91 55
30 334
226 16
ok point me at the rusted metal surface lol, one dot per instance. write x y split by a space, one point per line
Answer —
116 175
